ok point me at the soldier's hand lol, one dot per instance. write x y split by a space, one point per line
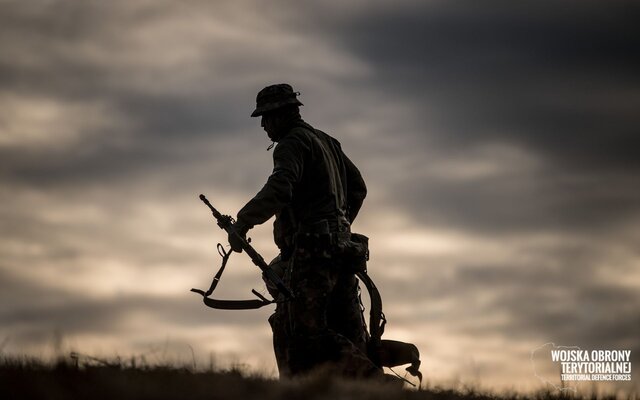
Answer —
236 240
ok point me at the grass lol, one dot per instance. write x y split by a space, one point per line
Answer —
74 378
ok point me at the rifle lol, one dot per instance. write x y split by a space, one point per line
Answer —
225 222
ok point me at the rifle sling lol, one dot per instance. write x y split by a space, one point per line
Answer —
235 304
252 304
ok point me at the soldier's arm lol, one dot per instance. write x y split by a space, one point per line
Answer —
288 163
356 189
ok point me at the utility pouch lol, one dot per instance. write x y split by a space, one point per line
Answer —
393 353
313 240
315 245
353 252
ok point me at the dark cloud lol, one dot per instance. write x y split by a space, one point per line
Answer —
550 199
555 80
557 77
88 54
498 121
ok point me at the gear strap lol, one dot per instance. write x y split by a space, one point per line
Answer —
252 304
387 353
377 319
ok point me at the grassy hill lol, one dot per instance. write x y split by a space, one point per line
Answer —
29 379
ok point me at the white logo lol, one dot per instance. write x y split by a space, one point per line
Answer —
575 365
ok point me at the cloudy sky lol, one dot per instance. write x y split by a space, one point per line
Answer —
499 141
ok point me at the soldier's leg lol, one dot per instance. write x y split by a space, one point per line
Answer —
312 282
279 320
313 343
279 325
345 313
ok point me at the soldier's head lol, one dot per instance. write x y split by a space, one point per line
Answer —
277 105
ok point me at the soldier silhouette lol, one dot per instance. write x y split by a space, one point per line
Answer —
315 192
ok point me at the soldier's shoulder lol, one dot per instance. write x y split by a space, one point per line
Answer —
325 137
302 128
308 135
299 133
295 141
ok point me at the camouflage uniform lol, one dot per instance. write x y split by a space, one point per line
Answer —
332 296
313 184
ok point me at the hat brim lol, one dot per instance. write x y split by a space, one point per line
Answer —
274 106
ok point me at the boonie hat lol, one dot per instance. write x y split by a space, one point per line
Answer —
275 96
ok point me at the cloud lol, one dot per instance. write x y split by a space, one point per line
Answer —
544 79
498 141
